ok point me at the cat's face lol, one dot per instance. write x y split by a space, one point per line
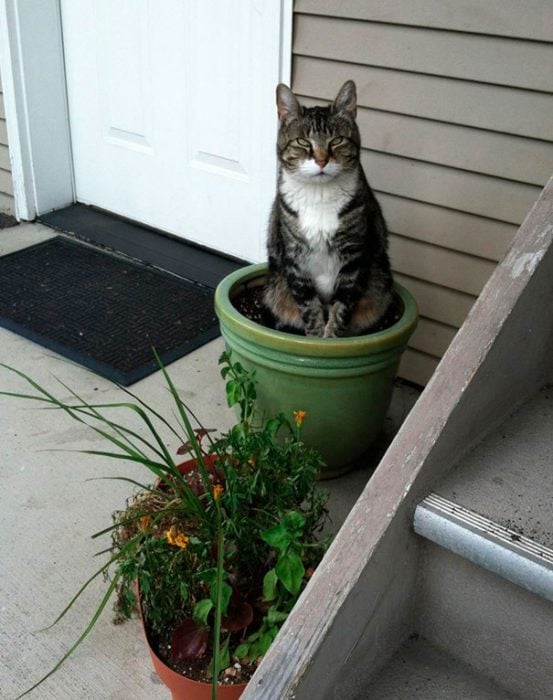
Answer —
317 144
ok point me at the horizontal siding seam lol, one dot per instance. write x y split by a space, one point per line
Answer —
442 206
441 76
426 354
470 297
471 256
445 30
448 326
432 120
456 168
435 120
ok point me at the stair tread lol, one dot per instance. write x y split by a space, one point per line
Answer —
420 671
508 477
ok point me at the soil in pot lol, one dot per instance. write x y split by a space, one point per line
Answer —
236 673
249 302
183 686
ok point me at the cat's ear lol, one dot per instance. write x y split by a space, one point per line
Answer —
346 99
287 103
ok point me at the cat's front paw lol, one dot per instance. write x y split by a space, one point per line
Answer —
315 331
314 319
336 324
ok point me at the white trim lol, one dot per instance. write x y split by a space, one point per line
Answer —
33 73
286 26
14 105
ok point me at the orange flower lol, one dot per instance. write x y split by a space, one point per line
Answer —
176 538
217 491
299 417
145 521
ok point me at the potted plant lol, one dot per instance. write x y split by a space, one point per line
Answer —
345 384
215 552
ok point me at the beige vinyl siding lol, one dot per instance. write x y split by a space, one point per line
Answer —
531 19
456 118
6 185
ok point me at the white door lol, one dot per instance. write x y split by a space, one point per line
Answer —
172 113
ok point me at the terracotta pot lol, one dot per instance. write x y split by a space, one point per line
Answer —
181 687
190 466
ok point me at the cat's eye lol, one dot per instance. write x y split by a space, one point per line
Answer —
304 143
337 141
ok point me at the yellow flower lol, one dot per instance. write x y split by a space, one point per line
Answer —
176 538
217 491
145 521
299 417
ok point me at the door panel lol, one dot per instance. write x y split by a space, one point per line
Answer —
172 114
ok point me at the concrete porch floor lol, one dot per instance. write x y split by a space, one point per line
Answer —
49 509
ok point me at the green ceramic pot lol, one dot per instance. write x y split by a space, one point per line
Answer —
344 384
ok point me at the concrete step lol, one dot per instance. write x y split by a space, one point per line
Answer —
486 591
508 478
500 629
421 671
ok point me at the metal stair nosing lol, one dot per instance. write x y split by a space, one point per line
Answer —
498 549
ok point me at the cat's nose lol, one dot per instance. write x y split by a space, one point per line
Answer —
320 157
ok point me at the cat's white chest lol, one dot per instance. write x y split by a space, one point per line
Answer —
323 266
318 204
318 216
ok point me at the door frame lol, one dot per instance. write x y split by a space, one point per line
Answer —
35 96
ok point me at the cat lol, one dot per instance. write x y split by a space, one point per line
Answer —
329 273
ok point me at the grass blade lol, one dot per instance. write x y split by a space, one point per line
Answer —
79 641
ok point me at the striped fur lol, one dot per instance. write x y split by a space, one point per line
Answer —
329 273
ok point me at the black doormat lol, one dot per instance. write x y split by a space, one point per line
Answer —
101 311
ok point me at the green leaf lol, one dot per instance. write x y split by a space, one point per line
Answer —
224 661
255 650
238 432
226 594
202 610
145 584
294 521
272 426
265 642
275 616
270 581
208 575
224 357
290 571
183 589
242 651
83 636
277 537
233 392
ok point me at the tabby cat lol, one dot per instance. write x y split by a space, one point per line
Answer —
329 273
